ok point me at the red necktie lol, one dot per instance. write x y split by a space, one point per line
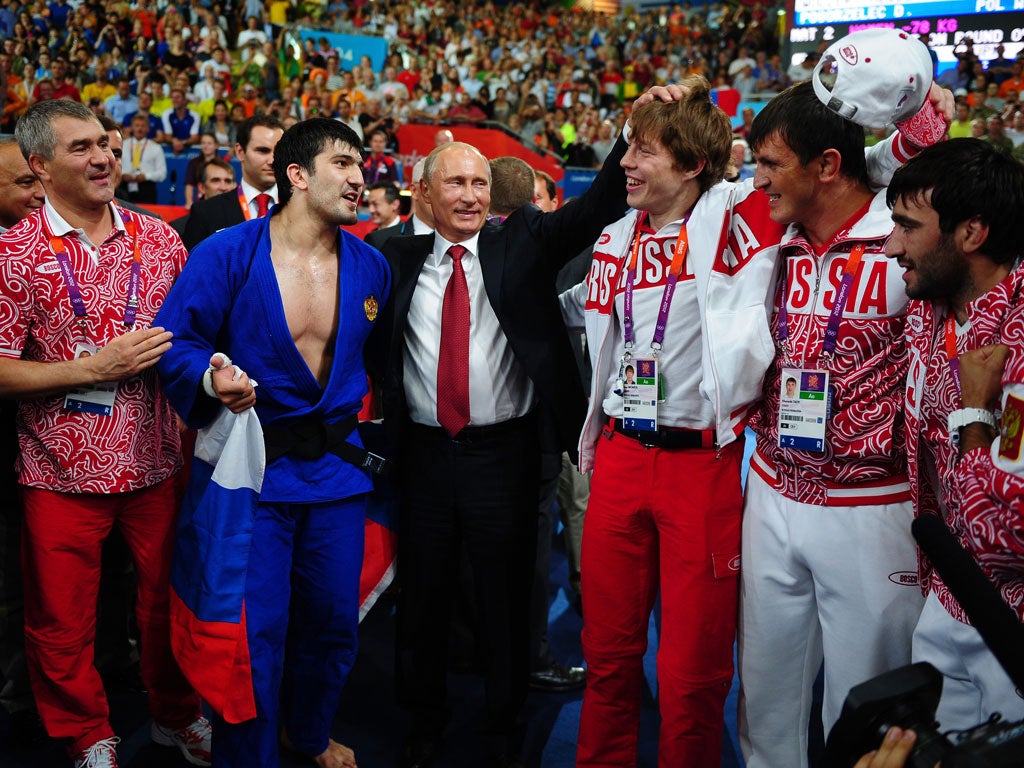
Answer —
453 361
263 201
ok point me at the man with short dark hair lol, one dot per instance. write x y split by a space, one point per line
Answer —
383 203
216 177
117 150
155 130
545 194
298 584
254 148
828 559
122 103
379 166
958 239
181 123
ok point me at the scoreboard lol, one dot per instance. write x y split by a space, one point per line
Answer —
942 25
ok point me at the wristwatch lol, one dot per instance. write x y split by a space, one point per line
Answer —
964 416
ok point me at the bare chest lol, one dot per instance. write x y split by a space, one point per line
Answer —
309 293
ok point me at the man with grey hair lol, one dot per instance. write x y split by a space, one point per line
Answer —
82 280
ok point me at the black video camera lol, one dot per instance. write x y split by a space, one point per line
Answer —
908 697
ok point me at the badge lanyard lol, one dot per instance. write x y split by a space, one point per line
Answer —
676 269
244 205
850 270
75 293
952 355
137 153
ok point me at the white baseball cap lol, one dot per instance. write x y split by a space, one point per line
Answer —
874 77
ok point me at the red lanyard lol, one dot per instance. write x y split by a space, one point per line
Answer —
952 355
244 205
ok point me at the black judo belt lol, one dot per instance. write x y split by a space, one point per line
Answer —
312 438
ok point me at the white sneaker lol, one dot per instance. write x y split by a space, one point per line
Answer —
193 740
102 754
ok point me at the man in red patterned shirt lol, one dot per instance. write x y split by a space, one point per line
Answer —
829 566
80 283
958 238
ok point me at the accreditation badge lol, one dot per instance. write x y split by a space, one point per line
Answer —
99 398
803 409
640 395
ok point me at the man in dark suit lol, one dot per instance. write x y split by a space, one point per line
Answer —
420 221
477 361
257 137
384 203
216 177
378 237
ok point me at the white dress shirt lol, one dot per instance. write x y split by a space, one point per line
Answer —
251 192
499 388
152 162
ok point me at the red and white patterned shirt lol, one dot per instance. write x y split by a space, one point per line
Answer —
863 458
71 451
982 494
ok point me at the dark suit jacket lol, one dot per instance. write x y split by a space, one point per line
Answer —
179 225
211 215
378 237
519 260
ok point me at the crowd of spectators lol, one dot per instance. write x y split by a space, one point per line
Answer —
988 98
563 79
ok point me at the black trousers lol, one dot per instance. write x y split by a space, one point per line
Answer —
480 488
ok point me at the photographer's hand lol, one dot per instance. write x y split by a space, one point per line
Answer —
893 753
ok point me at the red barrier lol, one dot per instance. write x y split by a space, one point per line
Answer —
167 212
417 141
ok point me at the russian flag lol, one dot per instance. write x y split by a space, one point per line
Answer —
211 557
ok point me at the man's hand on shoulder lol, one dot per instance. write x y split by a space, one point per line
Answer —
129 355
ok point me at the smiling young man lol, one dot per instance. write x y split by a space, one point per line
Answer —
650 341
722 242
291 298
958 239
675 311
99 445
